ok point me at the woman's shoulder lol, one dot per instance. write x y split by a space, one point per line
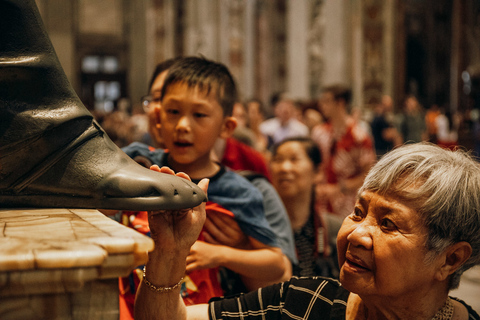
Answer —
472 314
330 287
316 295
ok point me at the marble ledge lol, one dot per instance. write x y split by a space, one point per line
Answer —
59 250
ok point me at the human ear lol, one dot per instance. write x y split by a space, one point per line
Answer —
453 258
229 125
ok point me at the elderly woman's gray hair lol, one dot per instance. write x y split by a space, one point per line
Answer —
443 187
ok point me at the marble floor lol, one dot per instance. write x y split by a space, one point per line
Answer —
469 289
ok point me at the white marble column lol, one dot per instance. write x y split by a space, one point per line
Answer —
298 18
137 80
456 52
201 23
58 18
389 47
337 42
357 52
249 53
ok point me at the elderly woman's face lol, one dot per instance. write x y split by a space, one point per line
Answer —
381 248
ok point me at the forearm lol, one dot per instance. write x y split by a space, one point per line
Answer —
174 232
149 306
161 273
266 264
255 283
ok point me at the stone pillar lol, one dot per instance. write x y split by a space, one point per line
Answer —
237 45
233 42
316 48
58 18
373 50
137 80
298 18
357 51
265 54
456 58
164 38
337 42
249 50
201 24
271 62
389 48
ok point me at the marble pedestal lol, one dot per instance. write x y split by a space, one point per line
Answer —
64 263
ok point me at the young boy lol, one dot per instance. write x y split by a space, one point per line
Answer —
196 100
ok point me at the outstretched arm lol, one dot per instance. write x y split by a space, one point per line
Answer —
259 266
226 245
173 232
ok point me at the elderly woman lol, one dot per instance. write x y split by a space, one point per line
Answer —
414 230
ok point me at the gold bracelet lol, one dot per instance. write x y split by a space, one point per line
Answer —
159 289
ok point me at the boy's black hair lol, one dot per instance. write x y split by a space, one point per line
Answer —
162 66
311 148
207 75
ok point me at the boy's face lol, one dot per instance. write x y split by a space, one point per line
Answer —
191 122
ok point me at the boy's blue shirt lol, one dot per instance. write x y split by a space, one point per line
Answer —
226 188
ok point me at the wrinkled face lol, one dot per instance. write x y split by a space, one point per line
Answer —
381 248
293 172
191 123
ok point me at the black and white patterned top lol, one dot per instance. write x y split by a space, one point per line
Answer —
299 298
306 253
315 298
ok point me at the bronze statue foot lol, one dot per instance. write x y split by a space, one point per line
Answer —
52 152
87 172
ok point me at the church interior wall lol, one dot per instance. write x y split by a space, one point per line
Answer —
377 47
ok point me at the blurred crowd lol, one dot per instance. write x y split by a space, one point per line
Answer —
388 125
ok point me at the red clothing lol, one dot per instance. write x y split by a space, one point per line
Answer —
239 156
344 158
198 287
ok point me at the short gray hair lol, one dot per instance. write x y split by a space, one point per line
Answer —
444 188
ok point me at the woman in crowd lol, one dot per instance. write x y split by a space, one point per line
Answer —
294 168
414 230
